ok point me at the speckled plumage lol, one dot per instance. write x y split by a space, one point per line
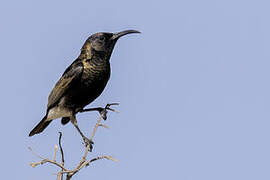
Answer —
83 81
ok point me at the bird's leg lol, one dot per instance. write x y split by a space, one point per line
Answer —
85 139
102 111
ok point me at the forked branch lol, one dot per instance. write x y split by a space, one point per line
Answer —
83 162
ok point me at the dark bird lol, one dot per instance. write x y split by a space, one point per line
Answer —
82 82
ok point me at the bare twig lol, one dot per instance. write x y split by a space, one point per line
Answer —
45 160
105 126
101 157
55 150
60 175
83 162
61 149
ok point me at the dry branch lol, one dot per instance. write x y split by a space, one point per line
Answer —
83 162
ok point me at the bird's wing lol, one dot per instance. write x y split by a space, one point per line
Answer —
70 76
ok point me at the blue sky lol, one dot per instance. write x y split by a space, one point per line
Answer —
193 88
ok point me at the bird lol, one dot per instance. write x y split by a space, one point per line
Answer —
82 82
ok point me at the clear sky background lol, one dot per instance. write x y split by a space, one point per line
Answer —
193 88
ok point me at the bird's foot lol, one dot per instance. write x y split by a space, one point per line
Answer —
103 111
88 142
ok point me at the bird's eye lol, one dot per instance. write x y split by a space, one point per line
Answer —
102 38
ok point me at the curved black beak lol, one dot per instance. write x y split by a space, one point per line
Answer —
116 36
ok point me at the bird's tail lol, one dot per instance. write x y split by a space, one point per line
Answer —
40 127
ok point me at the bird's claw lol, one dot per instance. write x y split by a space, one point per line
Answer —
103 111
88 142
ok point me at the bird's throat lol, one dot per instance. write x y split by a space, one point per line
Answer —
86 51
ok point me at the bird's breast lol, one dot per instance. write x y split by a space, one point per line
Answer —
94 73
93 81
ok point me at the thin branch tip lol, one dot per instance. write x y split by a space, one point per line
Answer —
55 151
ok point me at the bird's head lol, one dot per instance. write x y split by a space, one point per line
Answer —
103 42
